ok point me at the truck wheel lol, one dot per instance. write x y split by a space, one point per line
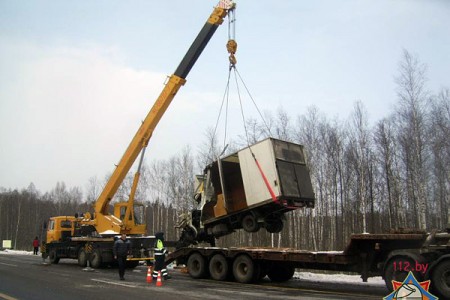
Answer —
397 268
96 259
196 265
281 273
82 258
275 226
218 267
53 257
440 279
249 223
243 269
258 271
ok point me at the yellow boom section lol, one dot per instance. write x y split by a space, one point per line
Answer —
139 141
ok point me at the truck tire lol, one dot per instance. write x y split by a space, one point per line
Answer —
249 223
82 258
196 265
274 226
440 279
218 267
280 273
96 259
243 269
393 271
53 257
258 272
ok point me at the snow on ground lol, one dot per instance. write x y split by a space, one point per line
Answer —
337 278
302 276
17 252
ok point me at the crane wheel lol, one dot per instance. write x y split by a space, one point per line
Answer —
53 257
96 259
82 258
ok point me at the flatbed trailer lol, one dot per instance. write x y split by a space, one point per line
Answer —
390 255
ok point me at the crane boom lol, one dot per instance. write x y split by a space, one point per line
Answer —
103 221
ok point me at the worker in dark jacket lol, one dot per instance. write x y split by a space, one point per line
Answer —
121 249
160 256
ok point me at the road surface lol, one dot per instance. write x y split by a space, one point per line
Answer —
26 277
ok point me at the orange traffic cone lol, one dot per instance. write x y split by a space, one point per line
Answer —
159 281
149 275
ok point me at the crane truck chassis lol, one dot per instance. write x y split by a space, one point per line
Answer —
392 256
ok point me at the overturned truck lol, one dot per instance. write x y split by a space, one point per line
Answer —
249 189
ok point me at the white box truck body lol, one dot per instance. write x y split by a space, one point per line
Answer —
254 187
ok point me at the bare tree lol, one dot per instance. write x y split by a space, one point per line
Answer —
439 133
93 189
361 140
385 142
411 133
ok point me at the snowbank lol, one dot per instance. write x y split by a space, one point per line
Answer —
337 278
17 252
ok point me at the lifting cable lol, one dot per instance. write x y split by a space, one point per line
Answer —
232 48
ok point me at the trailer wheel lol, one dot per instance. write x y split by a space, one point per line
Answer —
397 268
53 257
280 273
249 223
82 258
440 279
218 267
96 259
258 270
196 265
243 269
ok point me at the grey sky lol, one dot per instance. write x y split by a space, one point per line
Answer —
77 77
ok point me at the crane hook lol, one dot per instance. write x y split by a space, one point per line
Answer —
232 48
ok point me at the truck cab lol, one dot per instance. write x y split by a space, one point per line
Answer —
59 229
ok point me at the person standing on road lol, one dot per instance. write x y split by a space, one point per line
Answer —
35 246
160 257
121 249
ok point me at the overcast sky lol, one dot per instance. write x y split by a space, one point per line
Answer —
77 77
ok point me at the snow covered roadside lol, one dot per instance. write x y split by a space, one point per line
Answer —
338 278
16 252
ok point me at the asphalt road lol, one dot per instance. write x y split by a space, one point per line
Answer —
25 277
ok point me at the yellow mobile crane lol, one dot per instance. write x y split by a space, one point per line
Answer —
77 236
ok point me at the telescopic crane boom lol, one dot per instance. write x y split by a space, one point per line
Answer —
102 220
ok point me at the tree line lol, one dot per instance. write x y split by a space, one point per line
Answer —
367 177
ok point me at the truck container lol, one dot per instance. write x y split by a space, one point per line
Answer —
254 188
